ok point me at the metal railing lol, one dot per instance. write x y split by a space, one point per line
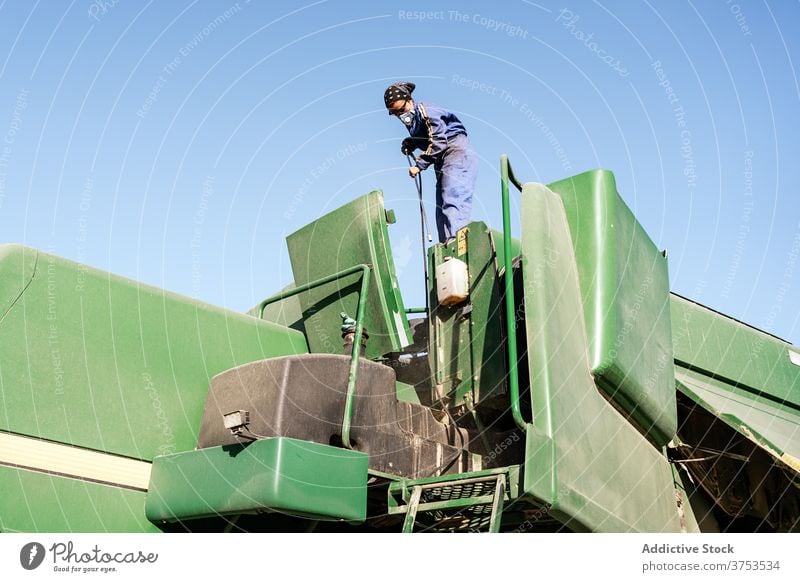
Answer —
362 300
506 176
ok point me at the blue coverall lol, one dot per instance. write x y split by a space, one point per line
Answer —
445 143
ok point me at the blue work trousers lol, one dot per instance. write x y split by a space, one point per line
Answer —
456 173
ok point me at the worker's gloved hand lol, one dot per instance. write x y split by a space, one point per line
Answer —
407 147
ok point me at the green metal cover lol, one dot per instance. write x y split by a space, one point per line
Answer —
772 426
36 502
17 266
582 457
462 347
625 288
741 355
351 235
468 351
278 474
102 362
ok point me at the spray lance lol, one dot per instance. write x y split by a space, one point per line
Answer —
424 230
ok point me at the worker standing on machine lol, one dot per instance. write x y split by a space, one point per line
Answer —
443 139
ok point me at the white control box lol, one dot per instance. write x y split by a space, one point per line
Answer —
452 282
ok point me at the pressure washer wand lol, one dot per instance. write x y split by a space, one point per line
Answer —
424 230
418 181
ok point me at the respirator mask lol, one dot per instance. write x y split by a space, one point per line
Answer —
407 118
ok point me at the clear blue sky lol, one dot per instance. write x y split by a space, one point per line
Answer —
178 143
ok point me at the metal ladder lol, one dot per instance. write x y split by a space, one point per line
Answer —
456 503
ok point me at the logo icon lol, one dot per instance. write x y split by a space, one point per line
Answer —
31 555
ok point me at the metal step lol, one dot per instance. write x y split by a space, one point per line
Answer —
467 502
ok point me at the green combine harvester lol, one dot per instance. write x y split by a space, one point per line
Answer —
553 383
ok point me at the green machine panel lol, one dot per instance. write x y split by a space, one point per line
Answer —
744 376
466 340
583 457
734 352
101 362
279 474
351 235
772 426
37 502
624 286
17 265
